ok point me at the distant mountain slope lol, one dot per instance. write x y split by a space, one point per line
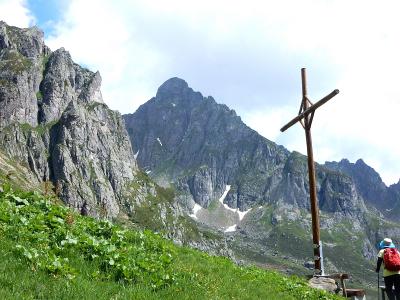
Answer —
371 187
202 146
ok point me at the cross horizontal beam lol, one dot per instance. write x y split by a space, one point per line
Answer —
310 109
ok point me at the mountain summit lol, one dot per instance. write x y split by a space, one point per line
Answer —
182 137
54 122
173 86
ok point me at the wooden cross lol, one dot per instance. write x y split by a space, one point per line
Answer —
305 117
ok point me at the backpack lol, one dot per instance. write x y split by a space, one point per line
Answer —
391 259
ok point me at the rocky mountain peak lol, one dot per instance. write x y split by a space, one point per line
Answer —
362 165
368 183
173 86
367 171
357 169
65 81
27 41
175 91
203 147
53 119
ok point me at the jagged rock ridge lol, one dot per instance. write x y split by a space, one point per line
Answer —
54 121
371 187
203 146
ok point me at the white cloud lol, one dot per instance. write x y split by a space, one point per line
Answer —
15 12
269 121
106 40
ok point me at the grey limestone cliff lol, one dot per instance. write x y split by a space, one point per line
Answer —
53 121
370 186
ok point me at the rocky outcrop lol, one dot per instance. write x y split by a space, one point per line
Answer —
21 66
90 158
53 121
370 186
17 175
65 81
323 283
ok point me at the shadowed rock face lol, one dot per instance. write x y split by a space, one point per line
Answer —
182 137
54 121
370 186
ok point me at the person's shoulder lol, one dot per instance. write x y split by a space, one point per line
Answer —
380 253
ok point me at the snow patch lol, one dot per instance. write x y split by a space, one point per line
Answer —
242 213
148 172
195 209
158 139
173 104
231 228
221 200
136 155
259 207
235 210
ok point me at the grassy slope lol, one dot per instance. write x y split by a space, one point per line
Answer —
286 245
49 234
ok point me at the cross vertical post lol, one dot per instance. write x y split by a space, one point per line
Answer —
311 177
305 117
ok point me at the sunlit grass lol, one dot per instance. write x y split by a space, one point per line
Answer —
49 252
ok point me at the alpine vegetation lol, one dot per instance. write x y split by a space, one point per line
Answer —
87 258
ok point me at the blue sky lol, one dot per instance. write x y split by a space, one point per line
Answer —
46 13
247 55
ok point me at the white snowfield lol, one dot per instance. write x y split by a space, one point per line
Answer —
231 228
221 200
196 209
241 214
158 139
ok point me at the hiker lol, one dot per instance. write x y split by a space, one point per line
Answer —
390 257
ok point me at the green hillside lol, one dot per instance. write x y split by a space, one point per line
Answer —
50 252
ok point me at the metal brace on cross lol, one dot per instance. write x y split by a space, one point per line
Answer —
305 117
